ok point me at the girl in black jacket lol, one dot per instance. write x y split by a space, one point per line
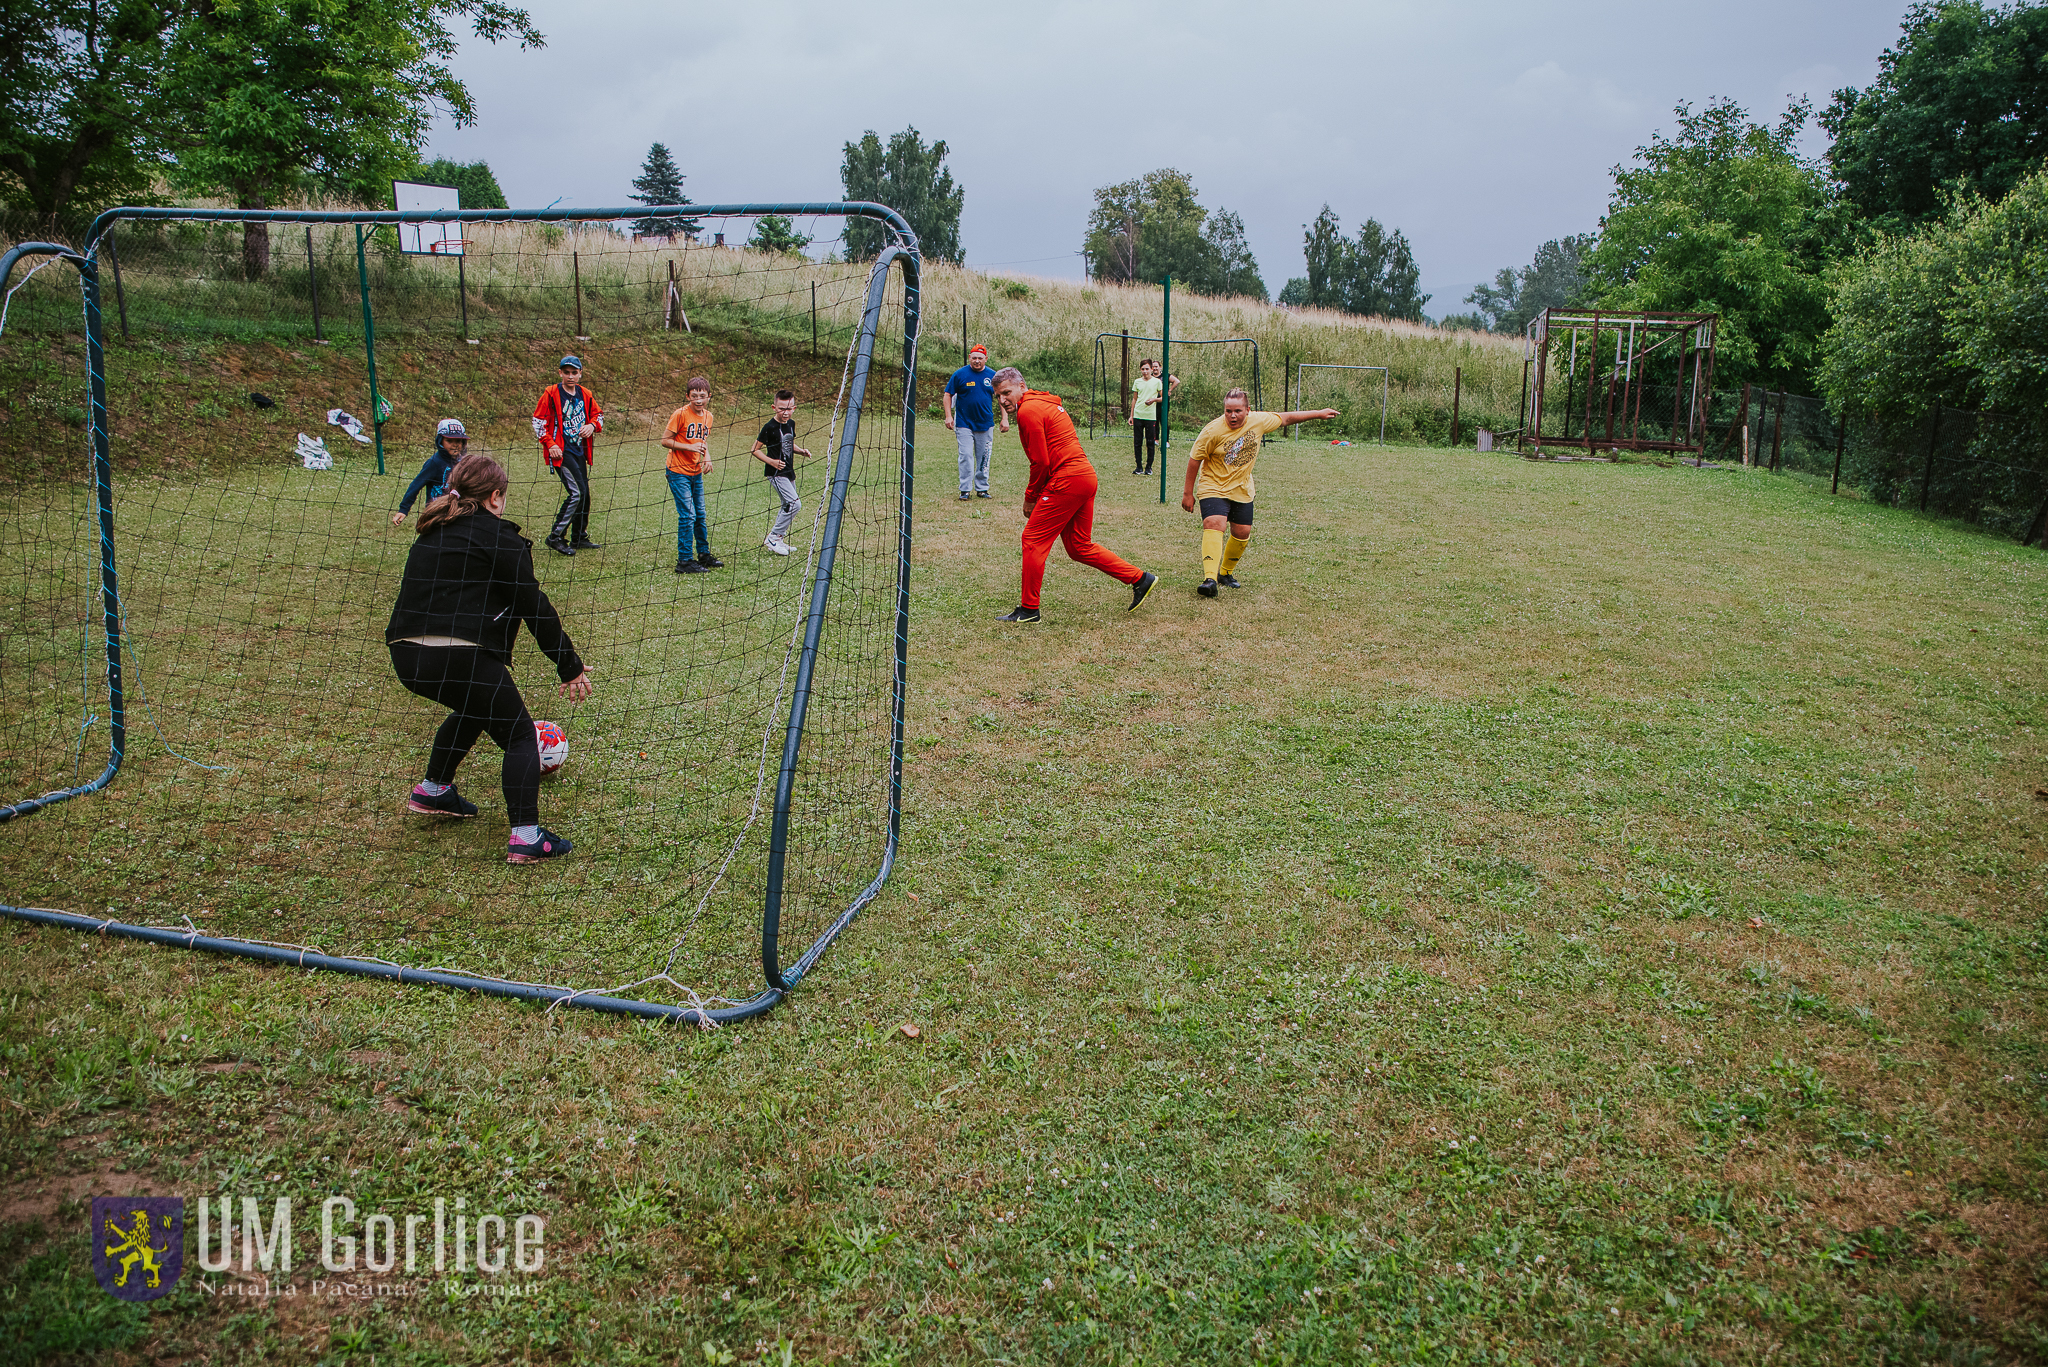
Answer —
468 585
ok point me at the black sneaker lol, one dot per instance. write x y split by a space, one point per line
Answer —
450 803
584 543
984 494
1228 581
710 561
685 565
559 546
1140 589
1137 469
1021 616
549 846
964 495
1207 588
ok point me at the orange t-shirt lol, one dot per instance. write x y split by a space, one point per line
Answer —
1048 435
687 424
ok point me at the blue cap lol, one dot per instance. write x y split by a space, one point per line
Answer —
571 362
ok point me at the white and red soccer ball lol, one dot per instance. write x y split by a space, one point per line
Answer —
554 746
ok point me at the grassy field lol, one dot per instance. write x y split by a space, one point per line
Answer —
1555 913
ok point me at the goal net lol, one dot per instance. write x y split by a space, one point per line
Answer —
198 585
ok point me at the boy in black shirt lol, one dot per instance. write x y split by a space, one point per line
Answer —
777 451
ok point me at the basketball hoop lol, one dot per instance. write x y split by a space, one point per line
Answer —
461 243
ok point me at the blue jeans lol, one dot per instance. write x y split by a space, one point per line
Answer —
689 492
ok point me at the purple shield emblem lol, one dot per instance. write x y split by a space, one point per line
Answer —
138 1245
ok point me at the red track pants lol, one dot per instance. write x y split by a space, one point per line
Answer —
1065 512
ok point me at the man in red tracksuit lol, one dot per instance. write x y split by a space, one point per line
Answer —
1059 502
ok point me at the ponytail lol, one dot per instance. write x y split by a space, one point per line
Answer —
475 478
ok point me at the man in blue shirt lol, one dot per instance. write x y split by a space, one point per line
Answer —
972 419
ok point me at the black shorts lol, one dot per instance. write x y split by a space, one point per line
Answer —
1240 513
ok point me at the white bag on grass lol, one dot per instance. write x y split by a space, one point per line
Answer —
349 423
314 454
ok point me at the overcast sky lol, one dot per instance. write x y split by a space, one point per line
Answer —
1479 128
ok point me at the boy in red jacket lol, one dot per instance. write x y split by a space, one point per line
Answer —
564 421
1059 502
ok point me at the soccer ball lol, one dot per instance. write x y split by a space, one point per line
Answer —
554 746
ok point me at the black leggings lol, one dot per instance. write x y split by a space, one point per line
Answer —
1144 440
478 691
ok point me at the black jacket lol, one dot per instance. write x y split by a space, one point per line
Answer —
473 578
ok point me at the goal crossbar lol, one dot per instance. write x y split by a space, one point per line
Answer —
1300 366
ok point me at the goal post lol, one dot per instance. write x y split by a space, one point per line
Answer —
1301 369
212 598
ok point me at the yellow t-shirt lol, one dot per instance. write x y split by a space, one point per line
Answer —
1145 398
1228 456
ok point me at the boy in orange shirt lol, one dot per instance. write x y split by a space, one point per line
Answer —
688 440
1059 502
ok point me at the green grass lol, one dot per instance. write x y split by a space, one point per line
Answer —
1584 913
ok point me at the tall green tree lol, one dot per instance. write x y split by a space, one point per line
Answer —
1555 278
1961 102
1374 273
1143 230
909 176
473 179
283 95
660 182
1726 217
81 108
777 233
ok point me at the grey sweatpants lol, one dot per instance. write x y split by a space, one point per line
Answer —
785 489
974 453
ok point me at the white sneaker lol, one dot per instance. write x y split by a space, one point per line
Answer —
779 547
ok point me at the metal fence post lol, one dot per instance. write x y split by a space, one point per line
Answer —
1778 433
369 343
1933 440
313 285
1458 389
1166 385
1841 439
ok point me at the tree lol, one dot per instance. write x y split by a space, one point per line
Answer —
1294 294
777 233
278 96
477 186
1556 278
1143 230
659 183
911 178
1375 273
1960 102
80 104
1725 217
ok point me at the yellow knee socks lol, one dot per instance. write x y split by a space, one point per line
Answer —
1232 553
1212 551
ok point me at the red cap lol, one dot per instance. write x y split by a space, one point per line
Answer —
977 347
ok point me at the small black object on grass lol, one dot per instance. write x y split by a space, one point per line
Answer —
262 400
